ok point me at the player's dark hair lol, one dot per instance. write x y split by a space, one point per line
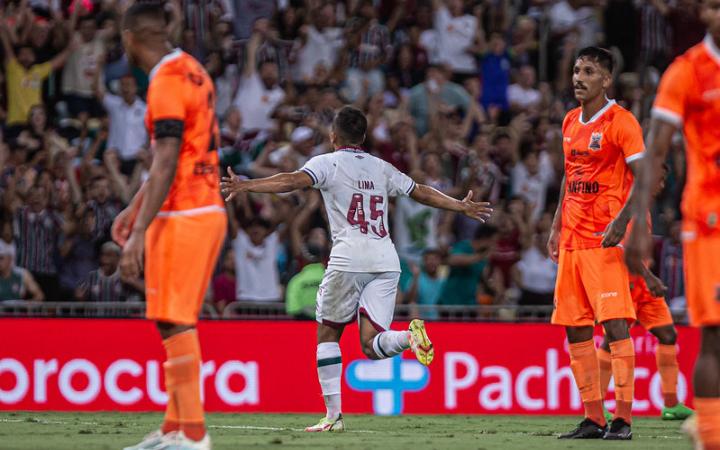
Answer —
350 125
600 55
485 231
144 10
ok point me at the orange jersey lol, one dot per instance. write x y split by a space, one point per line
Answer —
598 178
181 103
689 97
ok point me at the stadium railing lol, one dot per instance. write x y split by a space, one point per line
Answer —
276 311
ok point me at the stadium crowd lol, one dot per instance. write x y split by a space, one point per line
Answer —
461 95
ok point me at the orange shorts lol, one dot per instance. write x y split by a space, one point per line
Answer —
652 312
592 287
701 256
180 256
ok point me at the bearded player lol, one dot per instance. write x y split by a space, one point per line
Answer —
688 99
176 224
648 294
603 144
362 275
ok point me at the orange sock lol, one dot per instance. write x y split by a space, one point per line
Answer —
667 364
708 420
584 364
622 355
182 379
605 370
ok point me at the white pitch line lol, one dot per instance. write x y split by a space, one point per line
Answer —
251 427
233 427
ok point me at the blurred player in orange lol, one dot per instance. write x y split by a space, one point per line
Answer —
176 224
603 144
653 314
688 99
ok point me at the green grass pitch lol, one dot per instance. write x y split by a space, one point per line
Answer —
60 431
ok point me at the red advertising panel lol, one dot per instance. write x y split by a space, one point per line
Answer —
265 366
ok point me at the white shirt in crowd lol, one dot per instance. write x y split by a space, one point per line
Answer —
321 48
127 133
454 36
537 271
256 268
524 98
256 103
564 17
79 71
415 228
533 188
356 188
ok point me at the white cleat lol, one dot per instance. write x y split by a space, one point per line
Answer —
176 440
150 441
327 425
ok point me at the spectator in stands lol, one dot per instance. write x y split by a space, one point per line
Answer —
259 93
415 228
81 70
224 289
256 248
320 42
78 253
468 261
522 95
24 78
37 233
669 261
368 43
103 206
104 284
126 115
16 283
302 288
436 90
427 283
457 34
530 182
308 237
495 73
535 274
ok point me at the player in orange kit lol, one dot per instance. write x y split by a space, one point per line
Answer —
176 224
688 99
603 144
653 314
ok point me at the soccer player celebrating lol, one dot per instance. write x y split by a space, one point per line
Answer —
653 314
688 99
179 203
364 269
602 143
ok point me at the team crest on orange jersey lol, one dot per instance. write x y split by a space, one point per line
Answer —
595 141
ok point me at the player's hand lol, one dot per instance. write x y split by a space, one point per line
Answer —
131 261
122 225
553 246
655 285
231 185
614 233
637 248
480 211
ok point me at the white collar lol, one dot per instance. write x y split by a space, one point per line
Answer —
598 114
165 59
711 48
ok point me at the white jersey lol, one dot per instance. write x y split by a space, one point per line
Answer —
356 188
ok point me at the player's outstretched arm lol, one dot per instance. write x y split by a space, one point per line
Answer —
432 197
282 182
647 176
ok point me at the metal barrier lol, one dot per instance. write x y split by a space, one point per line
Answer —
276 311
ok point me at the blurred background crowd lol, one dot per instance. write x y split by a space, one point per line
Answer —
461 95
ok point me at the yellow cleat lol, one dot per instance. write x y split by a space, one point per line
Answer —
420 342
